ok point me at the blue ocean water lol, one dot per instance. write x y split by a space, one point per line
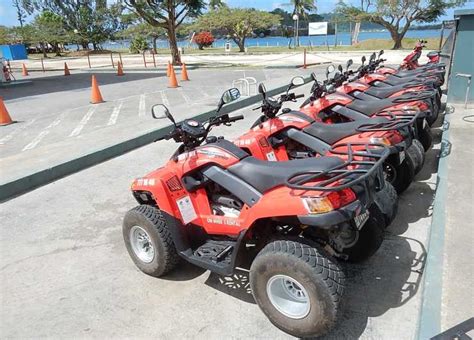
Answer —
342 39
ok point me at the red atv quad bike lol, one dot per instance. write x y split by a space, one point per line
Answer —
327 105
384 76
434 73
411 61
361 86
295 135
213 205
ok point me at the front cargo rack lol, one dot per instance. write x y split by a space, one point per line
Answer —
394 121
361 165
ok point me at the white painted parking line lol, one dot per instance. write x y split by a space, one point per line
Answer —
115 113
164 98
83 122
16 131
43 133
142 106
184 95
35 141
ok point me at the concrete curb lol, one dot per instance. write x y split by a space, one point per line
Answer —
429 322
35 180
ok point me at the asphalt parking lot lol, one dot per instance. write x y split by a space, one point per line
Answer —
65 271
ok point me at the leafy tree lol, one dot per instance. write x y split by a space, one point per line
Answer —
5 35
398 15
146 30
167 14
92 21
203 39
138 44
22 7
50 30
216 4
238 23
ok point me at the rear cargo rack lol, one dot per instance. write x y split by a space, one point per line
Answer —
395 121
366 163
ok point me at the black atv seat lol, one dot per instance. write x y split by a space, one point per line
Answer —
370 107
331 133
420 72
265 175
392 80
385 92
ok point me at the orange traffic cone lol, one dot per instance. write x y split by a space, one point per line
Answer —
96 96
173 81
184 72
24 71
168 71
66 70
119 69
5 118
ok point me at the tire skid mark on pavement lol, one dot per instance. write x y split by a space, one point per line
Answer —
115 113
43 133
142 106
164 98
83 122
16 131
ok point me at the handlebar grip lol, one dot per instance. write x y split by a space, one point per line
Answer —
235 118
299 96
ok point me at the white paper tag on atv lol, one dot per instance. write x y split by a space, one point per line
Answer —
186 209
361 219
424 123
271 156
401 156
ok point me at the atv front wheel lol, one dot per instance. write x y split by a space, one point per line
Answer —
297 287
149 241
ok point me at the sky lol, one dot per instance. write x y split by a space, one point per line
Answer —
8 13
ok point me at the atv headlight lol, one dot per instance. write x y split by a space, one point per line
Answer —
380 140
411 108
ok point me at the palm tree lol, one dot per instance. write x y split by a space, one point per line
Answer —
301 8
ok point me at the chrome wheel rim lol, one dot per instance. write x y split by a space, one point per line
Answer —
288 296
141 244
390 173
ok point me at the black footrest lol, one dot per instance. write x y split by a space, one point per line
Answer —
216 251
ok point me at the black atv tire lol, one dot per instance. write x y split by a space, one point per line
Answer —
420 153
387 202
402 174
425 137
370 238
321 279
149 218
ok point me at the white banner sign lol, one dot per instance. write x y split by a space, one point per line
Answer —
316 28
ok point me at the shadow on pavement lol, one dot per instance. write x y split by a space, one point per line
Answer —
50 84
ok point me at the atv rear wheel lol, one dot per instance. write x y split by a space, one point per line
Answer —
399 175
297 287
420 152
425 137
149 241
387 202
369 238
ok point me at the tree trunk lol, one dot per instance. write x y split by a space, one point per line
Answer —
43 49
85 45
176 58
240 43
154 39
397 38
